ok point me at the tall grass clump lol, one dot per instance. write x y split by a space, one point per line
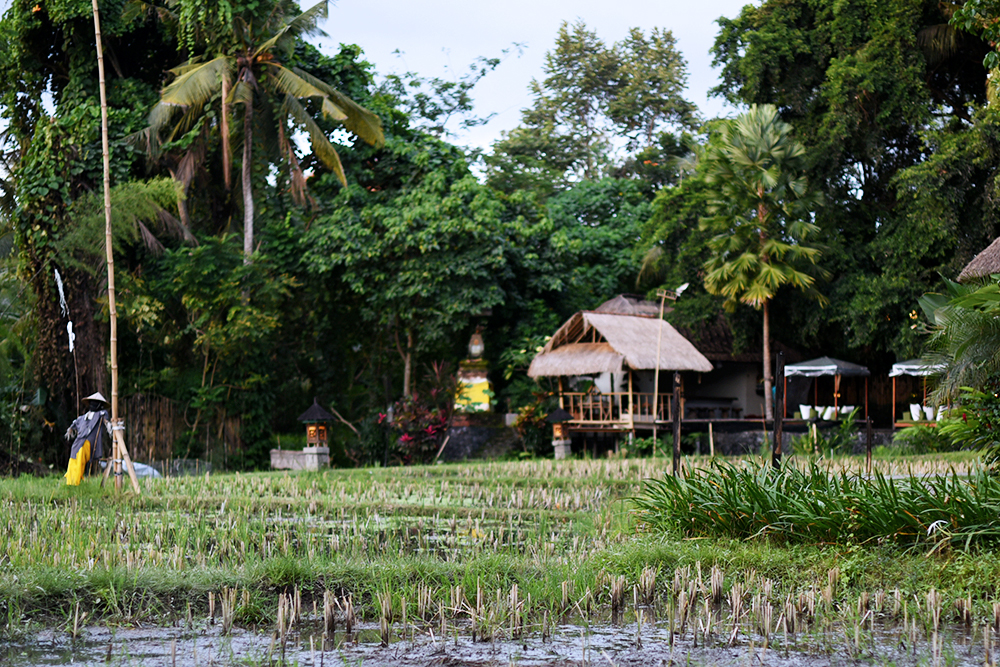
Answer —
817 505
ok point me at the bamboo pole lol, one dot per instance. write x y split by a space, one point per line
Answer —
675 404
656 376
118 450
631 407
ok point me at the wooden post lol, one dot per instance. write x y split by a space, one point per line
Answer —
784 383
711 441
868 447
779 409
656 376
868 428
675 408
631 407
892 416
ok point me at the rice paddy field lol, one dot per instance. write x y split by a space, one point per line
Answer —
532 563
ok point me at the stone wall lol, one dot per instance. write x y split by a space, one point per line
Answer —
479 435
310 458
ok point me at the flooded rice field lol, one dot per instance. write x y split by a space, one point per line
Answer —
537 563
644 644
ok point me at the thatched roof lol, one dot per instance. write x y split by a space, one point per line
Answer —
631 304
602 342
984 264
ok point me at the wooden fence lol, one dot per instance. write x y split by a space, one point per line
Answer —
153 423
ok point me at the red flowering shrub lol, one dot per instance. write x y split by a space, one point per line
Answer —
422 419
422 428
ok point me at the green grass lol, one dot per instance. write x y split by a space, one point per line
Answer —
817 505
478 528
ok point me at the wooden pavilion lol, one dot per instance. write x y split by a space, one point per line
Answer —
610 360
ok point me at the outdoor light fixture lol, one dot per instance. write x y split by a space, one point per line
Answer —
558 419
315 419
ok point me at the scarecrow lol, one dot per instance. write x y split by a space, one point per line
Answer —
87 434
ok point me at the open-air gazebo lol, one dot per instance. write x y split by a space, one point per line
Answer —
913 368
616 346
825 367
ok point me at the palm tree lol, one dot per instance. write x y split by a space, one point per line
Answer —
964 328
248 71
759 204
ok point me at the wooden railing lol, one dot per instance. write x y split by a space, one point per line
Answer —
597 408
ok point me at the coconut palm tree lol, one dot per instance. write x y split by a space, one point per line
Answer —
247 70
759 204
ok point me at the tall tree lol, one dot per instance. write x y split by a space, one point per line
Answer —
650 80
247 70
759 207
594 97
885 101
49 98
424 261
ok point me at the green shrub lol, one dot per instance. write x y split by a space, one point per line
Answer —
818 506
922 439
535 432
643 447
833 442
976 423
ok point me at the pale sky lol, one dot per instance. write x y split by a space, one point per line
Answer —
437 37
441 37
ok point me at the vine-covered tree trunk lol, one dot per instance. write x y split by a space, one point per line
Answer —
66 376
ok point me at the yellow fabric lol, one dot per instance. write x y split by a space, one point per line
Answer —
77 464
475 394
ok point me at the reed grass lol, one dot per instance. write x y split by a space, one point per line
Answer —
816 505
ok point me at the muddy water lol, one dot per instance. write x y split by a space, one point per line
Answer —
606 645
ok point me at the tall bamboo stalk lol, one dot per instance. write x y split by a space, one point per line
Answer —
106 155
656 377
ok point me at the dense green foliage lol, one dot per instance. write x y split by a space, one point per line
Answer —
592 95
381 268
52 162
814 505
887 101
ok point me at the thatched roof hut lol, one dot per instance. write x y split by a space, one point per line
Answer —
596 342
982 265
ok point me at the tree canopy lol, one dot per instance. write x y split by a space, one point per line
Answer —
610 183
592 97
